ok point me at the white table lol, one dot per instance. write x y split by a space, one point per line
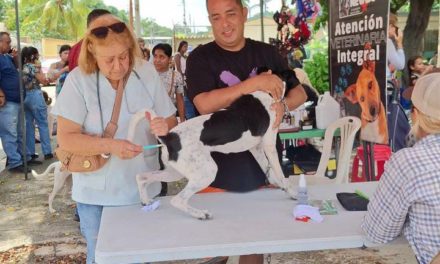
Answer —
255 222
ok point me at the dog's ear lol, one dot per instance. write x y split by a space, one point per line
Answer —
350 94
370 66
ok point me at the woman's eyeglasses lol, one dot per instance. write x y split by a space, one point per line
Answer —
102 32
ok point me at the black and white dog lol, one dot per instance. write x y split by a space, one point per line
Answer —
245 125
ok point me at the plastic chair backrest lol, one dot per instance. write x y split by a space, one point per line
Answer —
348 126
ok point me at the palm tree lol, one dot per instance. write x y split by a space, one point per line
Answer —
63 16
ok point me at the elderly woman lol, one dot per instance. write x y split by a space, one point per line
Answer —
110 55
408 195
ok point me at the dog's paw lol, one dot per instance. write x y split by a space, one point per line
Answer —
51 210
201 214
148 203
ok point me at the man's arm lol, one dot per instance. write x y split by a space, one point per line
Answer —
214 100
388 208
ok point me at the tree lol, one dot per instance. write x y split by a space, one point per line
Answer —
416 24
4 7
58 15
150 27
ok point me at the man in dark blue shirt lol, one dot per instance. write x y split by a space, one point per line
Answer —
10 132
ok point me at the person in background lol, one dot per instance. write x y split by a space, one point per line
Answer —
35 107
416 69
110 59
407 198
172 81
144 50
180 64
58 71
10 124
76 49
395 54
220 72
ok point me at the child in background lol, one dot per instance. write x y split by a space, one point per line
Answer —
50 118
416 68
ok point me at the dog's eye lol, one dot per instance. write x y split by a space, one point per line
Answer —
370 85
362 98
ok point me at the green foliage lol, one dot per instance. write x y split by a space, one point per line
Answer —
151 28
322 20
317 70
5 6
395 5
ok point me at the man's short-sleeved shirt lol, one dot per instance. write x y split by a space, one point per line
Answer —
210 67
9 79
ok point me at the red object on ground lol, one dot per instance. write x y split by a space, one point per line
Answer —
382 153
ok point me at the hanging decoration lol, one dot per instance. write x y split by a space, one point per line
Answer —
293 30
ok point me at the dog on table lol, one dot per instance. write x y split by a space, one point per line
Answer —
60 177
245 125
366 92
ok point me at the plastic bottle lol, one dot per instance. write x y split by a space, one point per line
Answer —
302 196
327 111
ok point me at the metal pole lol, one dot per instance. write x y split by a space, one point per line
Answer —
137 15
366 163
23 125
261 19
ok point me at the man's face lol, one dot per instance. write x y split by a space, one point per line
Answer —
5 44
161 61
227 19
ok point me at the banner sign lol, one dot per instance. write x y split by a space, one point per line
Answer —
357 44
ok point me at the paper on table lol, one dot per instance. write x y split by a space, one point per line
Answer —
151 207
307 210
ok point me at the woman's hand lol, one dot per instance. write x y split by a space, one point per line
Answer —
124 149
158 125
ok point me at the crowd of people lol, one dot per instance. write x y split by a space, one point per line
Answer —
114 64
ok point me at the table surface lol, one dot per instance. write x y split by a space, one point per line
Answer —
254 222
312 133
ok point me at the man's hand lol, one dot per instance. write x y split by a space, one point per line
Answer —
399 39
124 149
269 83
2 98
278 107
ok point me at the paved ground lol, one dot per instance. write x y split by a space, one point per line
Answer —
30 234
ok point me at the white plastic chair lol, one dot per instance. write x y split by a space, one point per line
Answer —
348 126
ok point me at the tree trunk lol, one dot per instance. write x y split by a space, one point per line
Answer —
418 18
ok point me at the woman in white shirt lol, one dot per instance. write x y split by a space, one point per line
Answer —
110 55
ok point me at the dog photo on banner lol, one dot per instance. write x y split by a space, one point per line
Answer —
358 39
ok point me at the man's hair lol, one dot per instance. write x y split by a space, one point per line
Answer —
87 60
64 48
165 47
2 33
239 2
94 14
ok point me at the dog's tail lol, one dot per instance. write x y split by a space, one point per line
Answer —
46 172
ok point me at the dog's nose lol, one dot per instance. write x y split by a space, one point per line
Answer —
373 111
